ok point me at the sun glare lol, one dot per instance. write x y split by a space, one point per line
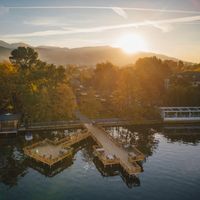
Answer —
132 43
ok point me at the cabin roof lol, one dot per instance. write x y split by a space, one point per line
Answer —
9 117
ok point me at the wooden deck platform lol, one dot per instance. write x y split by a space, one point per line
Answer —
107 150
111 153
51 152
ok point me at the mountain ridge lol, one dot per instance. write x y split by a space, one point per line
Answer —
82 55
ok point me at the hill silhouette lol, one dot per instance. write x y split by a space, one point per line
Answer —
81 56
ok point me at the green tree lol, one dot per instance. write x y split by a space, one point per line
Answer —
24 57
7 86
90 105
151 73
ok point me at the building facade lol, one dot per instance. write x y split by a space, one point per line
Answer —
173 114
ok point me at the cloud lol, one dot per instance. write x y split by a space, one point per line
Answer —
163 27
67 30
120 12
55 22
4 10
45 22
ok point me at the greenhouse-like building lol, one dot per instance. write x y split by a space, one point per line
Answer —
180 113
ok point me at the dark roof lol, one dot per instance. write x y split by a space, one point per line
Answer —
9 117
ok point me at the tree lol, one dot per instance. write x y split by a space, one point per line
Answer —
35 88
151 73
54 104
105 77
7 86
24 57
89 105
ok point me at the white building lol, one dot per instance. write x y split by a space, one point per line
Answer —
170 114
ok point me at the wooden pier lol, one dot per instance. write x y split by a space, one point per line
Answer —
108 151
112 153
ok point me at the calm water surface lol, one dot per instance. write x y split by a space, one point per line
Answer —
171 169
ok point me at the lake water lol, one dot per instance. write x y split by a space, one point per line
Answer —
171 169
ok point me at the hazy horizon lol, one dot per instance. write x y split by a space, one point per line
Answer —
163 27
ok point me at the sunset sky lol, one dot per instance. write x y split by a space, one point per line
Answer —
163 26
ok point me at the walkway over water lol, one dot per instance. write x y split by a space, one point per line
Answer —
126 159
112 149
109 151
52 152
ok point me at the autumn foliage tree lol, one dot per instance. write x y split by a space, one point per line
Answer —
36 89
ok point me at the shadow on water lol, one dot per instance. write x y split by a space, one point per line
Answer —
47 171
115 170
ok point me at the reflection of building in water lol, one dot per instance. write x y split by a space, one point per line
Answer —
185 134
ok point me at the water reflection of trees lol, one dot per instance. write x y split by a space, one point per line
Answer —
143 139
12 161
188 135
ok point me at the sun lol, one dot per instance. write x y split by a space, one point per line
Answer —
132 43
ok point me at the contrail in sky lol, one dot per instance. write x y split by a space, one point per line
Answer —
106 28
105 7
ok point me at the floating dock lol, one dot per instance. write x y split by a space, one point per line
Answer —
108 151
112 153
51 152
